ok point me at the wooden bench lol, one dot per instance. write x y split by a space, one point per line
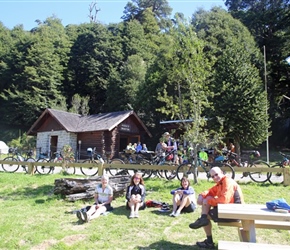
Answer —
284 225
252 216
230 245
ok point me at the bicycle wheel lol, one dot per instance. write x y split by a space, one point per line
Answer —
89 171
116 171
11 168
259 177
44 169
25 167
170 174
276 177
228 170
69 169
186 170
146 173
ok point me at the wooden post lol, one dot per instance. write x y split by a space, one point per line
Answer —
286 175
31 168
101 169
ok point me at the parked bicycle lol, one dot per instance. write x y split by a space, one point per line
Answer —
278 177
187 169
57 159
16 156
130 157
159 160
95 157
249 160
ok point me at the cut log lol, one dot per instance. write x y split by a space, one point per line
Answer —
73 189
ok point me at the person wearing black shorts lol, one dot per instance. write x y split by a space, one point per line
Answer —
225 191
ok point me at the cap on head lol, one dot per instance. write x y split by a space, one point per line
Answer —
166 133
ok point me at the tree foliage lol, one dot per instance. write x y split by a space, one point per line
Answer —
155 65
239 94
135 10
269 22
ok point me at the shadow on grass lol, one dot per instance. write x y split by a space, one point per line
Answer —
163 244
33 193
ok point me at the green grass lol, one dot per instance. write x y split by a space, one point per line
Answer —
32 217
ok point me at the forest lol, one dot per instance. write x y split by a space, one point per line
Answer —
225 69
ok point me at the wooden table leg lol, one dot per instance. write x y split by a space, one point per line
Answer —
248 232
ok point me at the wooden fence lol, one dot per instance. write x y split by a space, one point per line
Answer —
31 166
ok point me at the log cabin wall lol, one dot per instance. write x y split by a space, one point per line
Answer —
90 140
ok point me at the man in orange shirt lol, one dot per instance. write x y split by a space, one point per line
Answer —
225 191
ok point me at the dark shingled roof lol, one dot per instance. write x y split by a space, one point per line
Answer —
77 123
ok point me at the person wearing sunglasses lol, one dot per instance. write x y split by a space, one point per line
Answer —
226 190
135 195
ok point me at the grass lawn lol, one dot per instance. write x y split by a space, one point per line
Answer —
32 217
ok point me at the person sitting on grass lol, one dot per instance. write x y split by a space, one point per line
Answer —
135 195
225 191
103 199
183 198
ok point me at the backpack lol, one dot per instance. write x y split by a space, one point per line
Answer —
158 204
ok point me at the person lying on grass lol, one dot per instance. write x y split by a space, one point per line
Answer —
135 195
103 199
225 191
183 198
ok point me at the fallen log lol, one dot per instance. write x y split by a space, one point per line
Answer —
73 189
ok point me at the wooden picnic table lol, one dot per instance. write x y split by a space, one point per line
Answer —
248 214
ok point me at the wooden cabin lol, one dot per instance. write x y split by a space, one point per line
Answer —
109 133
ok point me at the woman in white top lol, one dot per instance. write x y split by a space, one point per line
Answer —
103 199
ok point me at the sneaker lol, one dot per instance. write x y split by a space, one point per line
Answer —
132 215
86 217
176 214
172 214
136 215
205 244
200 222
80 216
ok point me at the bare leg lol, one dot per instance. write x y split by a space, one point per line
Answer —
98 212
185 202
175 201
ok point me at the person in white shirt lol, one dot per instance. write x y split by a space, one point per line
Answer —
103 199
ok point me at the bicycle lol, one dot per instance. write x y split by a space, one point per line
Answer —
278 177
187 169
16 156
96 158
249 161
159 160
57 159
130 157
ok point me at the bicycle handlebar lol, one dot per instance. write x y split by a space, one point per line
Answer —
284 155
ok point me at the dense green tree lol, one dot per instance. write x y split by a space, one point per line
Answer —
136 8
181 75
79 105
37 68
95 52
6 46
239 93
269 22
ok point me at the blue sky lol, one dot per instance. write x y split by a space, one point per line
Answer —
13 12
